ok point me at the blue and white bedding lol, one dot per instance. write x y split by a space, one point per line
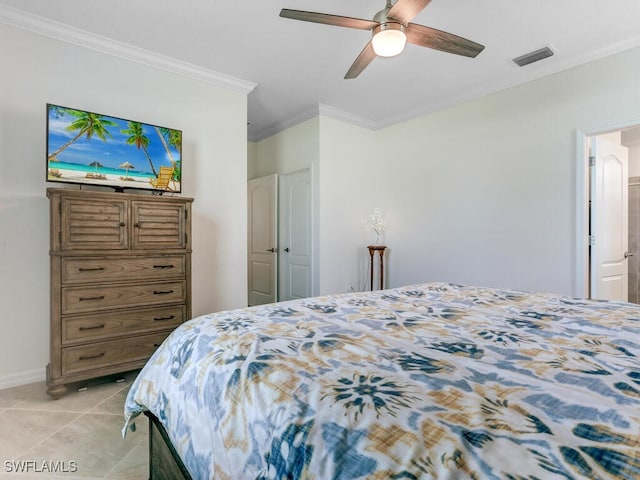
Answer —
434 381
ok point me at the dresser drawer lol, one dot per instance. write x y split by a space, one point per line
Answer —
91 270
128 350
90 299
104 325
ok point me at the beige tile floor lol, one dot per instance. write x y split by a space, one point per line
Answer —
83 427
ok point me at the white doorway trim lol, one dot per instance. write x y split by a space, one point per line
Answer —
581 282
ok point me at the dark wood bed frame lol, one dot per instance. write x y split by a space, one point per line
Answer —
164 462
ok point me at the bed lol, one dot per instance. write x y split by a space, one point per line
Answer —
433 381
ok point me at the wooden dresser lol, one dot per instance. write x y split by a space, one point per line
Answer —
120 280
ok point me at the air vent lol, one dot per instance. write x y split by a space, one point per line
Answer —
532 57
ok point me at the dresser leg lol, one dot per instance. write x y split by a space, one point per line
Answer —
57 391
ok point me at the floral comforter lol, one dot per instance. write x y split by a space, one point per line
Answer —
434 381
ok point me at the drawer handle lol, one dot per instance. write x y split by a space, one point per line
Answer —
160 319
85 269
84 299
163 266
91 357
162 292
95 327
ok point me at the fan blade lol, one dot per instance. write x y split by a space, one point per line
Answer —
328 19
443 41
405 10
364 59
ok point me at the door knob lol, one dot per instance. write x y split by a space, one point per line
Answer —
286 249
272 250
627 254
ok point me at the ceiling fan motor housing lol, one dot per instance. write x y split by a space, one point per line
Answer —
381 17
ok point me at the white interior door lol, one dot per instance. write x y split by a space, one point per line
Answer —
609 220
263 237
295 235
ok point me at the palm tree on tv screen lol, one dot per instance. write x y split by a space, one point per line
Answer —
171 138
140 140
86 124
175 140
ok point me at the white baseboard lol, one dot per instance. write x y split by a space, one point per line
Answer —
22 378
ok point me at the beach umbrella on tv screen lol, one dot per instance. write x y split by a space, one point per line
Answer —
126 166
96 164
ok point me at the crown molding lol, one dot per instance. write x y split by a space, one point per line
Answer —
278 127
309 113
76 36
344 116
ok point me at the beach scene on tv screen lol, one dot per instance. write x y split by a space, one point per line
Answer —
86 147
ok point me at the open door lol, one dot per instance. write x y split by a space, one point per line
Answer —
609 220
263 237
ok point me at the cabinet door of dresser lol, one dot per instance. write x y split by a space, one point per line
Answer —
159 225
93 224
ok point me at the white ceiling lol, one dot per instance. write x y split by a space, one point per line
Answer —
299 66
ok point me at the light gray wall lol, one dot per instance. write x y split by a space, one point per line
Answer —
351 187
489 187
213 119
482 193
631 139
293 149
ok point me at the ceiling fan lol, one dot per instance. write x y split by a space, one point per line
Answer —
391 29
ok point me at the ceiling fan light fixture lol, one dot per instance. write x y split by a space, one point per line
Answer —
389 39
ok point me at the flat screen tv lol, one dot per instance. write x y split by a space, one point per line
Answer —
95 149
